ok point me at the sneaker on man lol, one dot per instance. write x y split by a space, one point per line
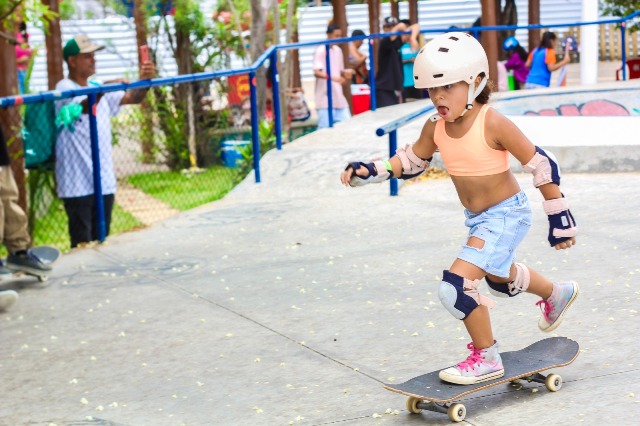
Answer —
23 261
7 298
480 366
555 307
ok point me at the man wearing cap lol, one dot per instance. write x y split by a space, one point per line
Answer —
338 74
389 78
74 166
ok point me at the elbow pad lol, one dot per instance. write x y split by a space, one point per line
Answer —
412 165
544 168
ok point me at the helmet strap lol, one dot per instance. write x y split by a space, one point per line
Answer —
474 94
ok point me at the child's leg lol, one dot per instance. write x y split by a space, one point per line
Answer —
478 322
459 294
556 296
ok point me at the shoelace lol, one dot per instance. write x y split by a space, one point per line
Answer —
547 308
473 359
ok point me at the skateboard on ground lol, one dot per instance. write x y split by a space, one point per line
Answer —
46 255
428 392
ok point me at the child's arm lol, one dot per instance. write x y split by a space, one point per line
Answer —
408 163
546 177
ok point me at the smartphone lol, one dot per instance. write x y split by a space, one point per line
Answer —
144 53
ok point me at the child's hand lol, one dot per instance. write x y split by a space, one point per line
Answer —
368 173
566 244
345 177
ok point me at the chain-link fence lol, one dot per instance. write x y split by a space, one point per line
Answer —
161 151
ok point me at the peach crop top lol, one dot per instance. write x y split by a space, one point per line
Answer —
470 155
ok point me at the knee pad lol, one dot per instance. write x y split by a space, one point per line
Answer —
453 297
519 285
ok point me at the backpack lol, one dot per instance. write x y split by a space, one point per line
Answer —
39 136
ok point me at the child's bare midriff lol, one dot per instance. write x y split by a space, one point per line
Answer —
478 193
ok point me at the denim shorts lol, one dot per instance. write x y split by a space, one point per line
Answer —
502 227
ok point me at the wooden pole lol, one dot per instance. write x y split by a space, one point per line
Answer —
489 39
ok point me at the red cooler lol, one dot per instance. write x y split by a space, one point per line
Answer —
361 98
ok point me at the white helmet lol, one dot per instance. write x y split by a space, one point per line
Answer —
448 59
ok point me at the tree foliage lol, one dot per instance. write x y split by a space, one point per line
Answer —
622 8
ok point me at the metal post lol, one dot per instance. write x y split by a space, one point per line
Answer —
329 85
623 27
95 156
275 85
393 146
255 137
372 75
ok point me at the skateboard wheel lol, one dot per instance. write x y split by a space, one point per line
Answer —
412 405
457 412
553 382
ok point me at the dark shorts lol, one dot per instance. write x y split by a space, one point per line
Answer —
83 219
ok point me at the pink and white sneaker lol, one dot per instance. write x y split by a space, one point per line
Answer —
555 307
480 366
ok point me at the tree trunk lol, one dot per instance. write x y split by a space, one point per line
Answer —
534 18
374 28
413 11
340 19
53 41
258 31
147 133
490 38
395 9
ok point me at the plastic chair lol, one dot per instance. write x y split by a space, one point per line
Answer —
634 69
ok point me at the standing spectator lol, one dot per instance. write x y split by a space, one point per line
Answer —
13 225
408 53
74 166
23 53
358 60
389 78
542 62
517 61
338 75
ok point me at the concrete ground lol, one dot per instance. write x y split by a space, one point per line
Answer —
292 301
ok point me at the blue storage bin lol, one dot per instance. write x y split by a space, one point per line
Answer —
230 152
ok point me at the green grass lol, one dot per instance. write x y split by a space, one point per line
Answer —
184 191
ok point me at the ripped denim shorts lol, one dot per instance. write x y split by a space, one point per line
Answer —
502 227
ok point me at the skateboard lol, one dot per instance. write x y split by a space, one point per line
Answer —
46 255
428 392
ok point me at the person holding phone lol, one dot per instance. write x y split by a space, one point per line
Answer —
74 165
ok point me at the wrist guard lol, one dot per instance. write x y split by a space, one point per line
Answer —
379 171
562 225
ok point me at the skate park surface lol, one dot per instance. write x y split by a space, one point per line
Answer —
291 301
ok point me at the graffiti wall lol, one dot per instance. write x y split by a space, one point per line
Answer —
604 102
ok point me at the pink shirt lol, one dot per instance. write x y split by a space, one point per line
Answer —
337 65
22 50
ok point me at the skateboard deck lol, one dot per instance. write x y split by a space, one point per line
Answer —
428 392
